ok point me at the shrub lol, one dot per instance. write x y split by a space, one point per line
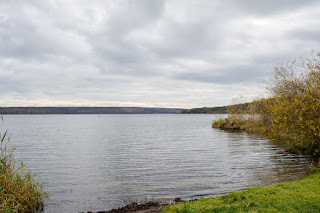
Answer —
292 111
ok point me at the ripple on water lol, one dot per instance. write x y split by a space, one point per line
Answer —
96 163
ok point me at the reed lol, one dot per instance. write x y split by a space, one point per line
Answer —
19 192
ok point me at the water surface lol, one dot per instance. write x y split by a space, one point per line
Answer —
100 162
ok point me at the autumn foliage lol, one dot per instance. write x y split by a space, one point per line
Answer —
292 110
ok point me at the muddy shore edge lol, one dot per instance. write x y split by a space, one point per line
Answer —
150 207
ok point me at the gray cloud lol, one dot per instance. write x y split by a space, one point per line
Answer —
149 53
263 8
232 75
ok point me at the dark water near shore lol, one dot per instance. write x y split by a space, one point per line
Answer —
92 162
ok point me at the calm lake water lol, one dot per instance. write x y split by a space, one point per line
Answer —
100 162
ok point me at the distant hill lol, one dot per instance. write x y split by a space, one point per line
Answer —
88 110
217 110
207 110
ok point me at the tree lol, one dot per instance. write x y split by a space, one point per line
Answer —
292 111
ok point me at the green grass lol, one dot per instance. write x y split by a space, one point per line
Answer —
297 196
19 192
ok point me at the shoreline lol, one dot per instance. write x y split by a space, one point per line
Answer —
149 207
289 196
157 207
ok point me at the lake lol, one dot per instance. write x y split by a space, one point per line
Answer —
101 162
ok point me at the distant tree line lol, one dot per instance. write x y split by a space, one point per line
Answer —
87 110
216 110
206 110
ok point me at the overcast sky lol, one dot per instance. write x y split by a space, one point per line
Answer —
149 53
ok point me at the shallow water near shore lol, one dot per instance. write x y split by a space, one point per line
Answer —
101 162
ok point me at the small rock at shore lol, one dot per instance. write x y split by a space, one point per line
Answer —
178 200
137 208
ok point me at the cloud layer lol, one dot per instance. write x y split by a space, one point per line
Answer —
147 53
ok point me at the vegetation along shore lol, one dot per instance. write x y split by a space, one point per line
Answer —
291 113
19 192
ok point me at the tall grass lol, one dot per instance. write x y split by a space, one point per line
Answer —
19 192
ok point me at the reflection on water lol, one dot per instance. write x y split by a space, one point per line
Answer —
92 162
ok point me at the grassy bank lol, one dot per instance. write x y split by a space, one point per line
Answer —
19 192
297 196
